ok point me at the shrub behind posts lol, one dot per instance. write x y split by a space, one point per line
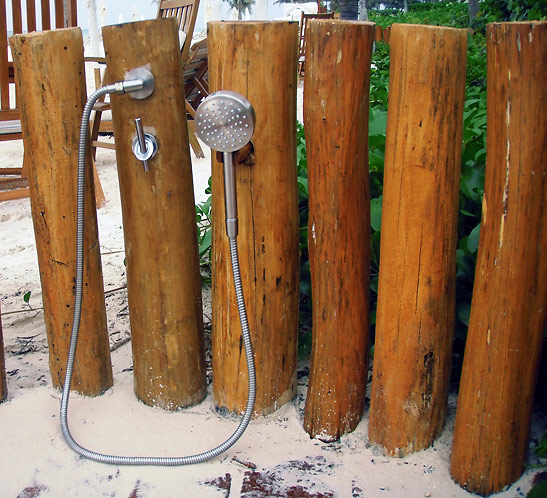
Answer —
416 295
51 79
510 291
258 60
336 92
159 220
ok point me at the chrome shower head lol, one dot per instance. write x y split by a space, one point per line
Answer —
225 121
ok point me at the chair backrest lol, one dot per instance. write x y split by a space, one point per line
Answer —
303 24
196 76
9 110
186 12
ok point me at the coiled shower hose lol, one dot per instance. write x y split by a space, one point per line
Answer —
141 460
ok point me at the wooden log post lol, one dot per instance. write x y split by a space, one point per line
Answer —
338 65
258 60
416 295
163 277
51 79
510 291
3 381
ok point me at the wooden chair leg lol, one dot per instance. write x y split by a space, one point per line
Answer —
198 151
100 199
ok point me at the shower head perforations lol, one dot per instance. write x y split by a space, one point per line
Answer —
225 121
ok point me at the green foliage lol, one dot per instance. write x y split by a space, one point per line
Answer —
453 14
205 231
541 449
305 302
509 10
538 491
26 297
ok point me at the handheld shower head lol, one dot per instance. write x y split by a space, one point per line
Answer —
225 121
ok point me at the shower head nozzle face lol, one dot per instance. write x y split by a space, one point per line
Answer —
225 121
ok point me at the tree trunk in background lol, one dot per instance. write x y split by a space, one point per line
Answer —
94 35
348 9
363 14
472 9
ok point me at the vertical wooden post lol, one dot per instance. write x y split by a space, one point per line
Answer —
51 81
163 278
416 295
258 60
338 65
510 290
3 382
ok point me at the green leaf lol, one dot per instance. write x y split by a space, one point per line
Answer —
464 311
467 213
26 297
376 213
541 449
473 239
377 122
374 284
538 491
303 185
205 242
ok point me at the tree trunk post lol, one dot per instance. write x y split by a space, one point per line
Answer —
416 295
3 381
51 111
261 66
159 218
510 291
338 65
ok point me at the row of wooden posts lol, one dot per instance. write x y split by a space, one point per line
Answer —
416 299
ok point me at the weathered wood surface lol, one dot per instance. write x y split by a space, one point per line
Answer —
258 60
159 218
510 291
51 81
416 295
338 64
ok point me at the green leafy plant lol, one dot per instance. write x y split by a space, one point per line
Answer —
305 302
26 298
205 232
508 10
541 449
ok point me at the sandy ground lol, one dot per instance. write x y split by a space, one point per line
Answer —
279 459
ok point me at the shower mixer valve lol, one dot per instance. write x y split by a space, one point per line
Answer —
144 145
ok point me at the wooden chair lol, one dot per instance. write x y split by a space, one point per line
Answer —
196 87
185 11
13 182
302 36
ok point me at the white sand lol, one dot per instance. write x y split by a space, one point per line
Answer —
35 458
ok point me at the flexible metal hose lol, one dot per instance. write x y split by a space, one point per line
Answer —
141 460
